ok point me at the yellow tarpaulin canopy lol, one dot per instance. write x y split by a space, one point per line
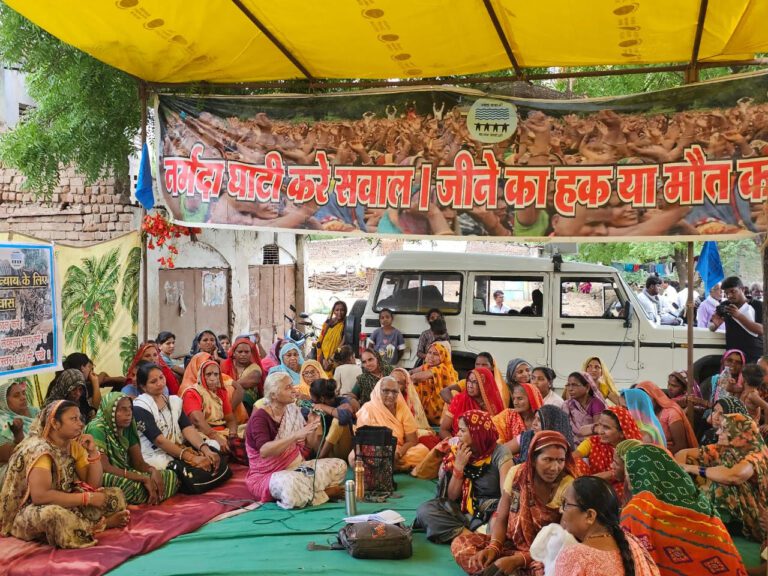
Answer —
174 41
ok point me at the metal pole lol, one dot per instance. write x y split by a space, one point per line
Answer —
689 307
144 254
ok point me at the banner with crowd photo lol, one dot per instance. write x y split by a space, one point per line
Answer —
29 311
437 161
99 304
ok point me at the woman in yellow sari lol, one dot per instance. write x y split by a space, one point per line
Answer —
430 378
596 368
332 335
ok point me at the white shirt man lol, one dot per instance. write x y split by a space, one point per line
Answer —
498 306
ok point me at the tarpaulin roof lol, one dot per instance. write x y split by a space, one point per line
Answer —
175 41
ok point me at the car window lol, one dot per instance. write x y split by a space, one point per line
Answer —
418 292
508 295
585 297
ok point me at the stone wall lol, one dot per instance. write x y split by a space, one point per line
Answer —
77 214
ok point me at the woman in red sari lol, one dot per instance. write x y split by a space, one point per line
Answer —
511 422
614 425
530 499
149 352
481 394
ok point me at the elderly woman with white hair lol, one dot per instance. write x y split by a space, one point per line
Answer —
276 439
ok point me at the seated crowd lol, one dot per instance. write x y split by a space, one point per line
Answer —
597 481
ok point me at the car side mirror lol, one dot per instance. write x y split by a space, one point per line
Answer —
628 317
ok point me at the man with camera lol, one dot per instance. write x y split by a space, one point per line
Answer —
743 320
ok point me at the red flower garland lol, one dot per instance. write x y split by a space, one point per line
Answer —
160 232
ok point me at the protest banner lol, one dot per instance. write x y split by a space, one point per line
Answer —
439 161
29 319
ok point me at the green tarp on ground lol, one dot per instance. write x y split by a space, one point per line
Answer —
274 541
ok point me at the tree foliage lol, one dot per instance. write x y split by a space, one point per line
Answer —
86 115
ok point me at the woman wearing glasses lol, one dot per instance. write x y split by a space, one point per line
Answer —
387 407
590 512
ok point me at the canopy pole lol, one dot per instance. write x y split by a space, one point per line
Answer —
503 39
143 97
689 311
692 72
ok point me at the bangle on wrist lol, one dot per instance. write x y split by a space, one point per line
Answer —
702 471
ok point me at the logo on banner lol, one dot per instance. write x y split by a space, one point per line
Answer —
17 260
492 121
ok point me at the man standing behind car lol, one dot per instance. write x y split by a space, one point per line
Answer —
743 320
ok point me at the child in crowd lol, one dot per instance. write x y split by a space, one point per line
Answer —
225 342
387 340
347 370
166 341
752 375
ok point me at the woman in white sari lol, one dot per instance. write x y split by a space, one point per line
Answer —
163 427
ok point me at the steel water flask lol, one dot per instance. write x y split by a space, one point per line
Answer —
349 497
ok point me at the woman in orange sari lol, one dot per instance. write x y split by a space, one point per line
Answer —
387 407
243 365
235 392
511 422
481 394
436 373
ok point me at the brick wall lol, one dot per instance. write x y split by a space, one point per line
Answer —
77 214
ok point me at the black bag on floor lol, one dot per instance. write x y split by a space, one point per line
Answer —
376 540
375 446
196 480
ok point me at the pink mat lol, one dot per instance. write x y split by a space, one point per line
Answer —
150 528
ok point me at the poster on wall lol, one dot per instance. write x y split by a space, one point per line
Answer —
439 161
29 314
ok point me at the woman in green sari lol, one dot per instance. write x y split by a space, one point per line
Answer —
114 431
16 417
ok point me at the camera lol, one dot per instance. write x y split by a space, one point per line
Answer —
722 309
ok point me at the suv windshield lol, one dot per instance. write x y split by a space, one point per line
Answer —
418 292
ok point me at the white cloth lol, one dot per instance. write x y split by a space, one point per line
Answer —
167 421
554 399
749 312
346 376
548 544
651 306
495 309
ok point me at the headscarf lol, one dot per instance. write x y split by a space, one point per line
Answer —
170 378
665 402
652 469
195 349
412 399
295 376
534 396
332 333
484 437
303 384
601 455
192 370
500 383
625 446
512 368
488 391
551 418
375 413
7 416
367 380
444 373
213 404
740 379
272 360
744 438
104 429
542 440
640 406
228 365
732 405
64 383
606 383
